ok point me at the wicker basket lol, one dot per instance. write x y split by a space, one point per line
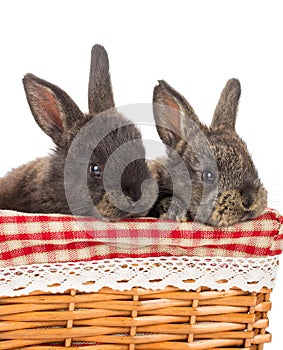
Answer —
136 318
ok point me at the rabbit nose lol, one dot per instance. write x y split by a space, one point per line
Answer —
247 200
133 193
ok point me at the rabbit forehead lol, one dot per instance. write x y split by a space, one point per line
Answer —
121 145
235 165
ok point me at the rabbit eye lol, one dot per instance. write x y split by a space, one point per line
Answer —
208 177
95 171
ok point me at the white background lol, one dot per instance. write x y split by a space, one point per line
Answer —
195 45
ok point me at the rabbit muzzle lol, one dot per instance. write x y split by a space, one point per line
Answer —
115 205
232 207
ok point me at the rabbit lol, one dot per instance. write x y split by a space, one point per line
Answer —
43 184
208 175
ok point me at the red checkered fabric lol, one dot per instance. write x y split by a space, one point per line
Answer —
37 238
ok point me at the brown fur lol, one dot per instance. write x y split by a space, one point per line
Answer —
235 193
40 185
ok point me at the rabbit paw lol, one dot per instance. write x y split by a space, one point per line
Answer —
173 209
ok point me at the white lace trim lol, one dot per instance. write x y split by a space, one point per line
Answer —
188 273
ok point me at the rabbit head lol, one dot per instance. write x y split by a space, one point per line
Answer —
222 185
87 154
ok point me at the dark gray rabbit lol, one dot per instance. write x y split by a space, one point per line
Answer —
214 178
48 185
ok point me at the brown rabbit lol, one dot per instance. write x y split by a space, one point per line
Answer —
209 175
71 180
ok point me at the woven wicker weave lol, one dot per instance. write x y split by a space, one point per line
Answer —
138 319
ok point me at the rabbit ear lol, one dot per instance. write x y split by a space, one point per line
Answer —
173 114
226 109
100 96
54 111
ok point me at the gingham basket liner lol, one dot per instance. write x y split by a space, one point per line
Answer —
55 253
37 238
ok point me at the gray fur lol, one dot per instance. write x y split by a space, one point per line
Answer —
100 96
39 185
236 194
